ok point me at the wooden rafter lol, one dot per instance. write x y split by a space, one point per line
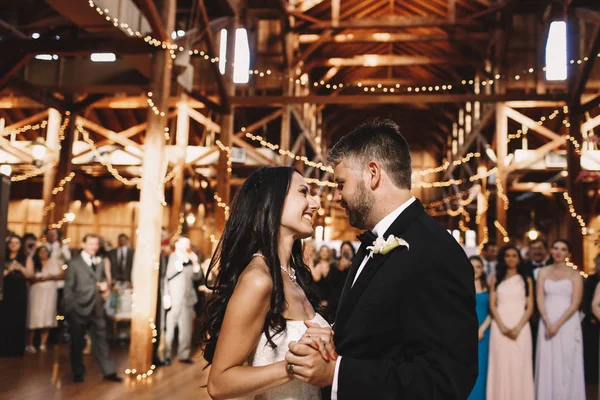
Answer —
583 73
275 101
387 37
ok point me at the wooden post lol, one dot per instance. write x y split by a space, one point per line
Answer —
286 120
335 12
53 144
146 260
576 190
502 172
182 137
226 137
65 167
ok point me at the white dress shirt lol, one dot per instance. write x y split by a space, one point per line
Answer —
379 230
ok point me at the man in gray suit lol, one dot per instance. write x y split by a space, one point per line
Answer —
179 298
84 308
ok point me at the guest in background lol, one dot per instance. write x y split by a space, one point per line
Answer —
29 244
85 283
489 255
337 278
179 298
559 362
485 320
596 305
41 312
320 272
59 251
538 257
13 307
590 326
121 259
103 253
510 369
309 253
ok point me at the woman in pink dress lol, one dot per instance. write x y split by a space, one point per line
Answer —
559 361
510 371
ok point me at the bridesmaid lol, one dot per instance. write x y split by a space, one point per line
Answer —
559 361
485 320
13 308
510 370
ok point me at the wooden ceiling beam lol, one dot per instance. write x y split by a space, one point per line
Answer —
583 73
389 22
389 60
391 37
27 121
12 63
27 89
276 101
77 46
148 8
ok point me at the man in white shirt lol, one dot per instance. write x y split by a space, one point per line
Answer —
489 253
406 326
121 260
85 282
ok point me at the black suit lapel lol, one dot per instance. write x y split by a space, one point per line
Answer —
353 293
358 259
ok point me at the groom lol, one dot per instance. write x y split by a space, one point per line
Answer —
406 326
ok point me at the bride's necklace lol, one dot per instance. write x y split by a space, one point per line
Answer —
292 274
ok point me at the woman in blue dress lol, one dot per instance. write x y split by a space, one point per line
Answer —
484 318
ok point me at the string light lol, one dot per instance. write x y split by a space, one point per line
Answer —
540 122
172 47
484 240
48 208
32 174
274 147
62 183
502 231
438 184
132 372
26 128
446 165
179 230
500 193
313 181
68 217
227 151
574 214
112 170
485 208
155 109
223 205
440 203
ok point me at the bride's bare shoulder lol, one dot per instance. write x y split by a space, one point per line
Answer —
256 277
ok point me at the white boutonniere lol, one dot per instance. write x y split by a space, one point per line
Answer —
97 260
381 246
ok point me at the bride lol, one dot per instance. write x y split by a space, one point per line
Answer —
262 300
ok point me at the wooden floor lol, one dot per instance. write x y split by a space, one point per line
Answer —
48 376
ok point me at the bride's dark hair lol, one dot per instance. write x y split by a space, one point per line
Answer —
253 227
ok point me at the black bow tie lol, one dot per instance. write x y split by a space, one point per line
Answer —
367 238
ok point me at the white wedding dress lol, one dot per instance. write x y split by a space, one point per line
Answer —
264 354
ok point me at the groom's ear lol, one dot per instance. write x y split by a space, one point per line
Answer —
374 171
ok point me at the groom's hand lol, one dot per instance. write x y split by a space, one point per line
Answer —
309 366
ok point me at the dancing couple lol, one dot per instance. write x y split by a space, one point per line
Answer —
406 326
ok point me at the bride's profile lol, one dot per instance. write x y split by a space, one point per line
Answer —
261 294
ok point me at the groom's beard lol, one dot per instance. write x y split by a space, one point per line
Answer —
359 207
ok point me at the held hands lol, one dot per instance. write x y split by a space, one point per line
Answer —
551 331
312 358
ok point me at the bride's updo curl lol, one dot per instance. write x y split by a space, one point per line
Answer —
253 226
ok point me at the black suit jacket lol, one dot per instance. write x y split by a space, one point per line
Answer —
117 273
407 329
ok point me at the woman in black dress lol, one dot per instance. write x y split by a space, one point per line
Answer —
13 307
337 277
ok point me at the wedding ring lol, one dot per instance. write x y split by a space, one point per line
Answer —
291 368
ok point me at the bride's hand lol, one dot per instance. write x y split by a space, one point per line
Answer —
320 339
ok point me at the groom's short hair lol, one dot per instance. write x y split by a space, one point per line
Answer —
380 140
